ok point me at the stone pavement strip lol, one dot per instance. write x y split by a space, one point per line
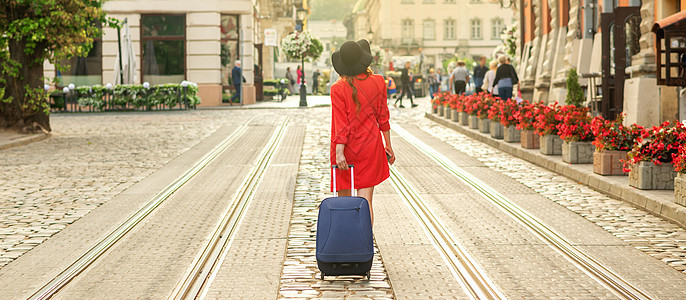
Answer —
150 260
251 268
515 259
300 276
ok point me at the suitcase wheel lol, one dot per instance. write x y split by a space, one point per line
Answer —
322 276
369 275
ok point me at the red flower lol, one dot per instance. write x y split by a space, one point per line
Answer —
664 144
547 118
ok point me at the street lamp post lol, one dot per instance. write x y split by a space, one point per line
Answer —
300 24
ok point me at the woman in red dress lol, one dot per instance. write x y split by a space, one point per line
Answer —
360 132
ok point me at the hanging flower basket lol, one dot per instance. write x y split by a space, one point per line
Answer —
301 46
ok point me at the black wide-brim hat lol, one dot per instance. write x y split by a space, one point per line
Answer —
353 58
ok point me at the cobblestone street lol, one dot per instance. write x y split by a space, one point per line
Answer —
246 218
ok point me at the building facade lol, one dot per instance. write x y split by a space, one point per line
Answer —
175 40
610 41
439 29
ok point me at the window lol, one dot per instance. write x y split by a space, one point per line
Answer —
475 1
428 1
449 1
407 1
229 47
429 29
497 28
407 29
476 29
449 29
163 39
83 70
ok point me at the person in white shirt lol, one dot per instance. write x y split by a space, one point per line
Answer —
488 79
459 78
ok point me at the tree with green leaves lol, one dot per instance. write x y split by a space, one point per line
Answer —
575 96
32 31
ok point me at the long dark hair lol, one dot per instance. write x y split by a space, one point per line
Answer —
350 80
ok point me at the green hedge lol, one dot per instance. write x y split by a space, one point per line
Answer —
136 95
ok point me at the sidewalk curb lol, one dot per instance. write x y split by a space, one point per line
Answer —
22 141
656 202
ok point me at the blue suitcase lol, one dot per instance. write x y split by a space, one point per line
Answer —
345 243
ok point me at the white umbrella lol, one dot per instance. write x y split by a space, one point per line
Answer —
128 54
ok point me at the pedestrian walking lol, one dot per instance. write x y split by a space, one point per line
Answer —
479 73
505 78
299 72
291 81
237 79
441 80
488 85
406 86
459 78
315 81
390 86
432 80
359 114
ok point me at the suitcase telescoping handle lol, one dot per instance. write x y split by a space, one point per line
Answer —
352 181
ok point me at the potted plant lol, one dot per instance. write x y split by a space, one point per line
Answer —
494 114
483 105
650 163
447 109
461 106
547 118
471 104
526 116
612 142
455 108
576 134
507 119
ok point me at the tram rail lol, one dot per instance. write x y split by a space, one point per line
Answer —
463 266
58 282
583 261
197 280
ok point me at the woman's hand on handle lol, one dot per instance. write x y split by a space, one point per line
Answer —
340 157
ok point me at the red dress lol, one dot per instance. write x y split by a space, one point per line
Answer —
360 131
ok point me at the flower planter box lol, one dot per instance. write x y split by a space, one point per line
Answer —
551 144
497 130
606 162
464 118
473 122
485 125
648 176
455 115
435 108
441 109
577 152
512 135
530 140
680 189
447 112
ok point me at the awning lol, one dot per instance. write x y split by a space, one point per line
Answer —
673 20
